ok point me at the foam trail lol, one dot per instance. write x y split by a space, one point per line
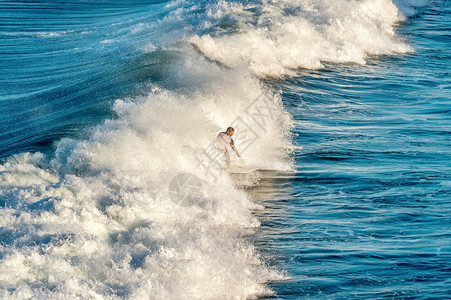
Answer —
96 221
277 37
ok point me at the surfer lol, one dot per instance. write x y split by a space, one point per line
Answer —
223 140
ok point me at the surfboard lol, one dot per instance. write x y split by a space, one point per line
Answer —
241 169
292 148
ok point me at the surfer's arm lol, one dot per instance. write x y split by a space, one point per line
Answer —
236 151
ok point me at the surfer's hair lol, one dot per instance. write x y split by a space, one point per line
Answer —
230 129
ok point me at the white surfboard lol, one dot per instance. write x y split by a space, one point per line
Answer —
292 148
241 169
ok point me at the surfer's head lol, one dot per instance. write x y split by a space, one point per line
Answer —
230 131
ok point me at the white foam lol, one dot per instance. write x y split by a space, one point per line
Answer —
24 170
282 36
97 220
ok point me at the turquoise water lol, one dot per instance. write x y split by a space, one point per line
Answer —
101 100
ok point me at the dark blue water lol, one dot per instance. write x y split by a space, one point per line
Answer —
367 214
364 215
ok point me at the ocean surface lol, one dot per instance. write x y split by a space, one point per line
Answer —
111 186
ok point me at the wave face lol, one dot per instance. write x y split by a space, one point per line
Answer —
127 96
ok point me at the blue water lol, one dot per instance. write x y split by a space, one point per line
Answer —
63 63
367 214
364 214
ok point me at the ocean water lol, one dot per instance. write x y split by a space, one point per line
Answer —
109 107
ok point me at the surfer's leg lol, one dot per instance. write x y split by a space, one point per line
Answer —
226 156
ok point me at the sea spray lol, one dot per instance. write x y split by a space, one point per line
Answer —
98 219
278 37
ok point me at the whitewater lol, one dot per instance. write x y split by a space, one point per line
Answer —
105 104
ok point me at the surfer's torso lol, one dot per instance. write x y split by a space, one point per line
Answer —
225 139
